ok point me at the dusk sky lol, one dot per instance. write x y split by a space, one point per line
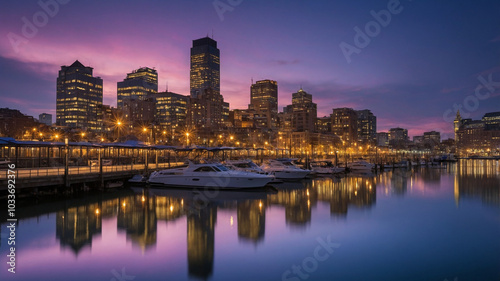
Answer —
413 73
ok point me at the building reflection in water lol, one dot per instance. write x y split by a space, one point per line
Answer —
201 240
478 179
251 220
349 191
296 200
75 226
399 181
137 217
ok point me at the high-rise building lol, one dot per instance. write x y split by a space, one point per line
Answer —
45 118
137 85
302 113
345 124
264 101
367 126
205 67
171 111
207 110
79 98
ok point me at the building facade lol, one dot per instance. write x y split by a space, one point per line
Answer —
367 126
302 113
138 85
45 118
345 124
79 98
171 112
207 110
398 137
264 101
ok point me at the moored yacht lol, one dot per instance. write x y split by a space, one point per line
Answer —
285 169
325 167
213 175
244 165
361 165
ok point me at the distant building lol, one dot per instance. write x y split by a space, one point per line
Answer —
15 124
324 125
418 140
367 126
345 124
138 85
79 98
398 137
264 101
138 113
479 135
432 138
382 139
302 113
207 110
171 111
45 118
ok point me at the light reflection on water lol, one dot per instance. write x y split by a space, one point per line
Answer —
182 234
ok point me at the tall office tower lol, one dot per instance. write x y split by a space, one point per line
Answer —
137 86
264 101
345 124
207 110
367 126
205 67
303 112
79 98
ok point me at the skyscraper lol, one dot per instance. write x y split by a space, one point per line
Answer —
264 101
79 98
137 86
207 110
205 67
367 126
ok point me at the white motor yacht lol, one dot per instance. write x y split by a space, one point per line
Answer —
213 175
361 165
285 169
325 167
244 165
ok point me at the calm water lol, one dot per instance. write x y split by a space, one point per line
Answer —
429 224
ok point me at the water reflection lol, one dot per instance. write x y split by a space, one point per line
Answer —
478 178
138 212
137 217
75 226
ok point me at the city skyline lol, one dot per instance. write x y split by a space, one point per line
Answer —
387 76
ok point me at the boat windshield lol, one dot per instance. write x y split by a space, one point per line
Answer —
222 168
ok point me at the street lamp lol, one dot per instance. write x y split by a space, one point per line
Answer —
187 139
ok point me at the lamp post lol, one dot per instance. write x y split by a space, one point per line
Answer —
187 139
118 125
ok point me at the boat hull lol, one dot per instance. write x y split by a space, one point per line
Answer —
290 175
221 182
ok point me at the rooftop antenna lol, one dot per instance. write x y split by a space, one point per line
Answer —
166 90
252 80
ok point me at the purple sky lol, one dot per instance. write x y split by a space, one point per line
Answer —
413 72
